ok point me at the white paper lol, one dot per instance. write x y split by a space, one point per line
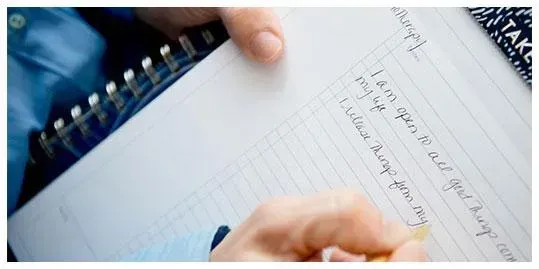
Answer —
232 133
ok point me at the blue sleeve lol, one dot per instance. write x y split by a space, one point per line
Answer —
44 70
28 104
192 247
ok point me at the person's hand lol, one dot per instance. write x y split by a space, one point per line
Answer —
298 229
255 30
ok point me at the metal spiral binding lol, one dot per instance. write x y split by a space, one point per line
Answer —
150 71
129 77
95 108
187 46
169 60
76 112
113 95
62 132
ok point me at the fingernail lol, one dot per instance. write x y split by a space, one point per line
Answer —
265 46
395 233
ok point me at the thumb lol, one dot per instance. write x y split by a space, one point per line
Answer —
256 31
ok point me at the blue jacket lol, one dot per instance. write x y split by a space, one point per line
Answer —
54 60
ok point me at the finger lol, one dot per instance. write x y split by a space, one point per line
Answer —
344 219
256 31
409 252
335 254
340 255
317 257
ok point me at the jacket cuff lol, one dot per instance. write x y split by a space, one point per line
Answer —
219 236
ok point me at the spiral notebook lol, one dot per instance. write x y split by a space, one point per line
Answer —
72 133
415 108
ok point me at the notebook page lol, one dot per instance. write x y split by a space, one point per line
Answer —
346 107
485 67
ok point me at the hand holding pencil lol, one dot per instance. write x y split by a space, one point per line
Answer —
300 228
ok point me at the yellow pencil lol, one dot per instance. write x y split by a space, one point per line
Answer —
419 234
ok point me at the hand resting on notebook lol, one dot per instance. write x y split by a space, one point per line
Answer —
299 228
255 30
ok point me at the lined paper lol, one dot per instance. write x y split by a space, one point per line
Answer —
400 125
